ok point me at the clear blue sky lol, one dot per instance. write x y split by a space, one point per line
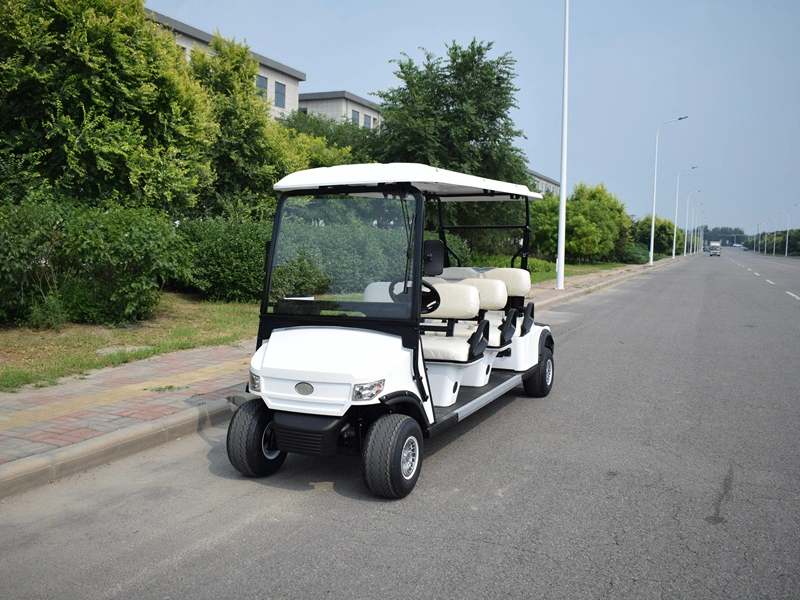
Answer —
733 66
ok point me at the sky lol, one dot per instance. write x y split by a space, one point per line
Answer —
732 66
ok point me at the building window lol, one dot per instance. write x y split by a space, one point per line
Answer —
280 95
261 85
367 121
355 117
304 110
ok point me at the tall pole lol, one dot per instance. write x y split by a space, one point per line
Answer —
562 195
786 253
675 229
655 186
686 229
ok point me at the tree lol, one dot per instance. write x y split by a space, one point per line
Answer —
664 228
606 211
454 114
243 176
98 107
337 134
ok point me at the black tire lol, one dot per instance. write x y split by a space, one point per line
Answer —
251 441
392 456
540 383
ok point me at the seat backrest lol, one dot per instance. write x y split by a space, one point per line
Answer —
457 302
518 281
492 292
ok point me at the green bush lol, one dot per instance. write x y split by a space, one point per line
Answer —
638 254
114 261
229 256
351 255
31 236
84 265
298 277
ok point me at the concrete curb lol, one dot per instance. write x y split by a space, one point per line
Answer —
26 473
33 471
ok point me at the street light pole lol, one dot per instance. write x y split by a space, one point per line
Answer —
686 229
786 253
655 181
562 194
675 228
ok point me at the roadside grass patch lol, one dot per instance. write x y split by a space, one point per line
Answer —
182 321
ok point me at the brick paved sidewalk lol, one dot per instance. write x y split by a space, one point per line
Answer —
36 420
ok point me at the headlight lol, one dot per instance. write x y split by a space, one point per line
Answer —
255 382
367 391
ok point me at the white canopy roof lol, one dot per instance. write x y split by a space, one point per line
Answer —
448 185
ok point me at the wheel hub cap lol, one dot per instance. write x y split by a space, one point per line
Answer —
409 458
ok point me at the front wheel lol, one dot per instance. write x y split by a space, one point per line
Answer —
251 440
540 383
392 456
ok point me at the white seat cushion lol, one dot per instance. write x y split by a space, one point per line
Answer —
452 349
492 292
518 281
457 302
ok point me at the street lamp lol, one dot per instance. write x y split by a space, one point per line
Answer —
675 228
686 229
786 253
655 180
562 195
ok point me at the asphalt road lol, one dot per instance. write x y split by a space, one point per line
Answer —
664 464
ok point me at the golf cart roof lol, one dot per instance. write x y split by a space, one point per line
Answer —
447 185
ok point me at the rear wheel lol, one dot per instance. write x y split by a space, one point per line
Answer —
392 456
251 440
540 383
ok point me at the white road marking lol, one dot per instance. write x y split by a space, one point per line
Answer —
749 269
793 296
756 274
770 282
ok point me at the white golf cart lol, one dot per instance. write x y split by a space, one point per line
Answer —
369 340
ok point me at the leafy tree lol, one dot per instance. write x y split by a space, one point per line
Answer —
243 175
454 114
544 225
251 151
98 106
606 211
663 234
338 134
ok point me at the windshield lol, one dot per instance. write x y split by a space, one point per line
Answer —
335 256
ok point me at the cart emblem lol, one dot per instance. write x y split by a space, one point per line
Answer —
303 388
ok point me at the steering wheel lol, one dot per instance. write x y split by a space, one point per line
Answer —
429 297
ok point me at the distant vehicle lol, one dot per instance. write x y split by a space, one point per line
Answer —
745 248
715 249
737 245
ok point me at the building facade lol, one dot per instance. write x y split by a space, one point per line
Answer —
340 106
544 184
277 82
